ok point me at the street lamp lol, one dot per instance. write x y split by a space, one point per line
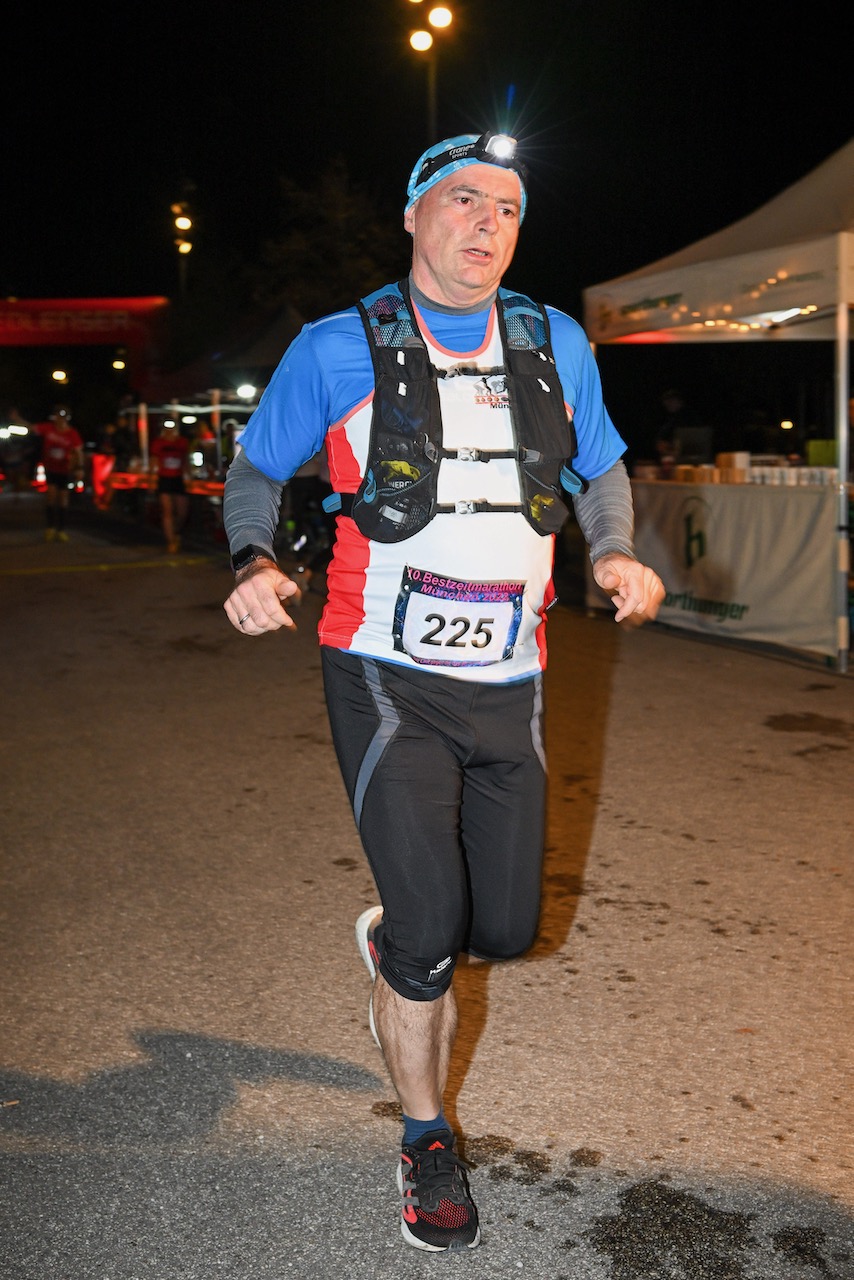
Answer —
183 224
439 18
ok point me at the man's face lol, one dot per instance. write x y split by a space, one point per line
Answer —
464 234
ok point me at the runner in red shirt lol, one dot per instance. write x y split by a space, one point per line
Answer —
62 459
169 460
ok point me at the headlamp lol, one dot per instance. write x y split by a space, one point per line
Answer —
489 148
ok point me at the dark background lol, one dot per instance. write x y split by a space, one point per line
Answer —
645 126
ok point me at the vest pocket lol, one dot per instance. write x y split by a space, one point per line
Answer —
542 504
390 505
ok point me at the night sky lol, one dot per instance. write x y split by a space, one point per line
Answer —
645 125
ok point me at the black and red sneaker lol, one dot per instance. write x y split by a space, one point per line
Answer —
437 1211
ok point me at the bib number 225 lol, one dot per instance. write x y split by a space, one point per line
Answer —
446 622
457 633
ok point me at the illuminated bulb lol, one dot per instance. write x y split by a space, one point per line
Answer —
421 40
440 17
501 146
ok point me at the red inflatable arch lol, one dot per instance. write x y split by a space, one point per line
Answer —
63 322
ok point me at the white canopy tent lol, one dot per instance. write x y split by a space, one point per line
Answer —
786 271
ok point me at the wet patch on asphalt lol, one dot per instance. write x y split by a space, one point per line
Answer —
835 734
658 1227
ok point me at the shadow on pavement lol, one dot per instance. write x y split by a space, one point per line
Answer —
180 1092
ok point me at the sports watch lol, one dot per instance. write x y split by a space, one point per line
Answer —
248 555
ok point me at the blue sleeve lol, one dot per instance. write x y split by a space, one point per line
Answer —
600 445
323 375
292 417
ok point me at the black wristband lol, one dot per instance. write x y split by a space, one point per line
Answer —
248 555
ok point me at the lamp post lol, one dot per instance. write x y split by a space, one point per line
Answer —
422 41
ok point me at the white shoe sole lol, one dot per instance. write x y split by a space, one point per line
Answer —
363 924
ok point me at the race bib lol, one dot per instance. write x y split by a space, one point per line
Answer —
451 622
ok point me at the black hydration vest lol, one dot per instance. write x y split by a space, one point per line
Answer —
397 497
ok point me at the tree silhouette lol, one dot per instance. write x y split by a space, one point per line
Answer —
338 241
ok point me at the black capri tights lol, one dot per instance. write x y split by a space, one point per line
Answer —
447 781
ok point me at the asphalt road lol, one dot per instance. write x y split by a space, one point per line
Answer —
660 1091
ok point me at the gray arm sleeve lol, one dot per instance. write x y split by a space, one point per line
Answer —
605 513
250 509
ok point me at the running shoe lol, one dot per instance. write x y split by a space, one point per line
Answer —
365 926
437 1213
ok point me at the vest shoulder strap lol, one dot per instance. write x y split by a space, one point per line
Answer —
525 322
387 319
